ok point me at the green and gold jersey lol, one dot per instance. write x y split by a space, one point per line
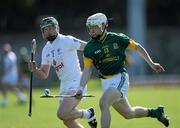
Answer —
108 56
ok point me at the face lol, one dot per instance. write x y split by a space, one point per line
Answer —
6 48
95 31
50 32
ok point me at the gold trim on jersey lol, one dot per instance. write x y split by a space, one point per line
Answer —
88 62
109 59
104 38
107 76
132 44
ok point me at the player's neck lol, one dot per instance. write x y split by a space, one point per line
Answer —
103 37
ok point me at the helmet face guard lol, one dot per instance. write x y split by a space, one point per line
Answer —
99 20
98 32
47 22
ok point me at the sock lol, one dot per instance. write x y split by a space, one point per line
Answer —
86 114
152 113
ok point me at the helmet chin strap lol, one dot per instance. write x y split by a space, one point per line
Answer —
99 36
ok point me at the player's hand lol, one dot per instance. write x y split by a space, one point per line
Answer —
157 67
32 66
79 94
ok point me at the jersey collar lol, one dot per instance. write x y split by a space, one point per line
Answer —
104 38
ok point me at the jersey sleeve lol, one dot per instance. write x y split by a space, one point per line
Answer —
88 62
87 51
132 44
72 42
45 57
126 42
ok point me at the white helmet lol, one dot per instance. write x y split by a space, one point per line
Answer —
97 19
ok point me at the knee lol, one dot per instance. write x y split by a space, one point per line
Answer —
62 116
103 104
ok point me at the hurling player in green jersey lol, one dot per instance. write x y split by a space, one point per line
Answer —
106 51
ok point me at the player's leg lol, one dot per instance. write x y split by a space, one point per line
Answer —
68 112
4 95
10 82
124 108
159 114
71 123
107 99
4 89
67 109
21 97
122 105
24 82
13 84
111 94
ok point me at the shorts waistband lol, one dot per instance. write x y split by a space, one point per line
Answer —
108 76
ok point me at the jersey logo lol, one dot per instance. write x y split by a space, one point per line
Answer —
97 51
106 50
61 65
115 46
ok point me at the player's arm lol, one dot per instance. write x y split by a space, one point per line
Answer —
85 76
75 43
88 64
42 72
83 44
142 52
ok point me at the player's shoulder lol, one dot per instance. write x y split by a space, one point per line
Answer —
46 46
120 35
90 44
65 37
90 47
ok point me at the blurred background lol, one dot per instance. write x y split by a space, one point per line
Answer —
154 24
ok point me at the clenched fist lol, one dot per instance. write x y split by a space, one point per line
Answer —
32 66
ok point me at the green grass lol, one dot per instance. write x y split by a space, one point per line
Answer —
44 110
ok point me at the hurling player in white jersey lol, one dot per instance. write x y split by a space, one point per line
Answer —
10 75
60 52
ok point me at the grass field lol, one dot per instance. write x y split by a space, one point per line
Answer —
44 110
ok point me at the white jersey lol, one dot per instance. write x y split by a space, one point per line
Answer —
10 68
62 55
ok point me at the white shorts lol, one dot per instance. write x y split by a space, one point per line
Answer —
71 86
119 81
10 80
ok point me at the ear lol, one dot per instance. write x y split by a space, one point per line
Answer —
106 25
57 28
